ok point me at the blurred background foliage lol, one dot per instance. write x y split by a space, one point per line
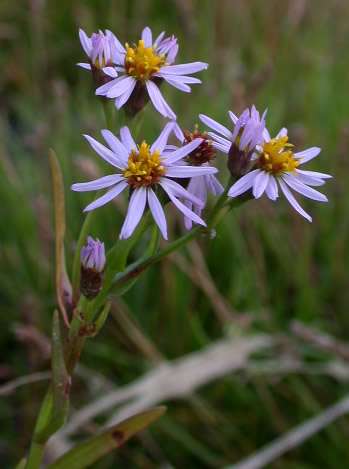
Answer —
269 265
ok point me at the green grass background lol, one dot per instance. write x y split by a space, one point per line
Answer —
288 56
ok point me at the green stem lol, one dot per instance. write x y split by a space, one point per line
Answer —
108 109
35 455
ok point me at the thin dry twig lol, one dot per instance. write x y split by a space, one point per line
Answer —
11 386
321 340
294 438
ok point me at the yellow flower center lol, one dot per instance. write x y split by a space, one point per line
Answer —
277 157
142 62
144 168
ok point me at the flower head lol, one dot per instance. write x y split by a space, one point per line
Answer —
145 170
93 255
142 67
276 165
240 143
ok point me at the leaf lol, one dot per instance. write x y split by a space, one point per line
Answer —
87 453
63 286
56 402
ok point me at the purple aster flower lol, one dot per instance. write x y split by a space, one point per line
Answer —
240 143
144 169
93 255
142 68
275 165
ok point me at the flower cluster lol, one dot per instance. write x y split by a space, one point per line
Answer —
183 174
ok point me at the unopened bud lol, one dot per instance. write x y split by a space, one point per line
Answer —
92 265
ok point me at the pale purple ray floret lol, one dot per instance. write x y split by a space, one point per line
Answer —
101 49
144 169
93 255
277 166
147 64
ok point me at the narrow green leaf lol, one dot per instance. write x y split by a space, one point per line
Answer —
63 286
102 317
87 453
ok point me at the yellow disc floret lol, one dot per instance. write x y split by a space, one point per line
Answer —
144 167
277 157
142 62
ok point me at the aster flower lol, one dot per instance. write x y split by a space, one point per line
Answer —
240 143
142 68
200 186
276 165
92 257
144 169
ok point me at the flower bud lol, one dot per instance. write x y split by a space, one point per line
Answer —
92 265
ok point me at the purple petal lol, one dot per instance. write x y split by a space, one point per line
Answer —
105 153
189 171
183 151
103 90
147 37
184 69
117 147
233 117
308 154
178 85
185 210
121 100
84 65
282 133
110 71
213 185
272 189
123 86
101 183
107 197
301 188
158 100
172 54
243 184
260 183
85 41
157 212
134 213
127 139
214 125
289 196
161 141
179 191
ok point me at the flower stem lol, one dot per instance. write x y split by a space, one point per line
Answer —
35 455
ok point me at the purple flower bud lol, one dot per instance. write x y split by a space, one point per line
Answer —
92 265
93 255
